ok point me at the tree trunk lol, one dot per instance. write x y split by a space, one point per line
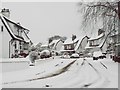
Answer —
119 10
118 49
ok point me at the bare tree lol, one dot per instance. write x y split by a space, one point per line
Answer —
108 11
94 11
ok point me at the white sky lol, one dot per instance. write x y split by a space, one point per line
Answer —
45 19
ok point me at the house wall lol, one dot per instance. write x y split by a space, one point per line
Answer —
5 42
104 48
0 41
82 45
6 47
59 45
13 47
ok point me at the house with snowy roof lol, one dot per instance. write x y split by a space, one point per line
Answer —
74 46
55 45
98 42
15 40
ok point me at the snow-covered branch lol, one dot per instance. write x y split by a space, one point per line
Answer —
106 6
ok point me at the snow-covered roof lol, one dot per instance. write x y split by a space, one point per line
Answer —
44 45
66 50
99 46
54 42
4 19
15 23
79 42
98 37
69 41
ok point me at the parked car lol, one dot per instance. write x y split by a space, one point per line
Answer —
75 55
65 55
88 55
45 54
22 55
116 58
98 55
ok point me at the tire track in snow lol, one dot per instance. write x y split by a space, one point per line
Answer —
64 69
85 82
83 63
72 72
100 77
91 83
104 65
85 76
95 81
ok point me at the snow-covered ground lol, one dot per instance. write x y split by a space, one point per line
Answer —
60 73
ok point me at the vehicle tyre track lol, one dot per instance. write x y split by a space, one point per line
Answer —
64 69
104 65
95 81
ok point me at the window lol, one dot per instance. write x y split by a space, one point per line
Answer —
90 43
15 45
26 46
94 43
1 28
69 47
20 43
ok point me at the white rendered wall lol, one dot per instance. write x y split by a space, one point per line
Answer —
5 43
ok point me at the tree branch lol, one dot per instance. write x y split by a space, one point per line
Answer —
102 5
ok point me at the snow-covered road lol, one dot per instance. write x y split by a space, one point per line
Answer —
65 73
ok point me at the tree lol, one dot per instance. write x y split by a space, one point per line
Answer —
119 28
53 38
94 11
108 11
56 37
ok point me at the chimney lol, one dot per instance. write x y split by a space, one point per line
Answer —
6 12
100 31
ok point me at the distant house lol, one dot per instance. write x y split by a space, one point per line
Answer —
15 40
55 45
76 45
99 42
44 47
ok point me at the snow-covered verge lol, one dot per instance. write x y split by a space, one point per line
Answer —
65 73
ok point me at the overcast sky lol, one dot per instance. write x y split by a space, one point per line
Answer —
45 19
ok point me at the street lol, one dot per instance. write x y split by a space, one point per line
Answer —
63 73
